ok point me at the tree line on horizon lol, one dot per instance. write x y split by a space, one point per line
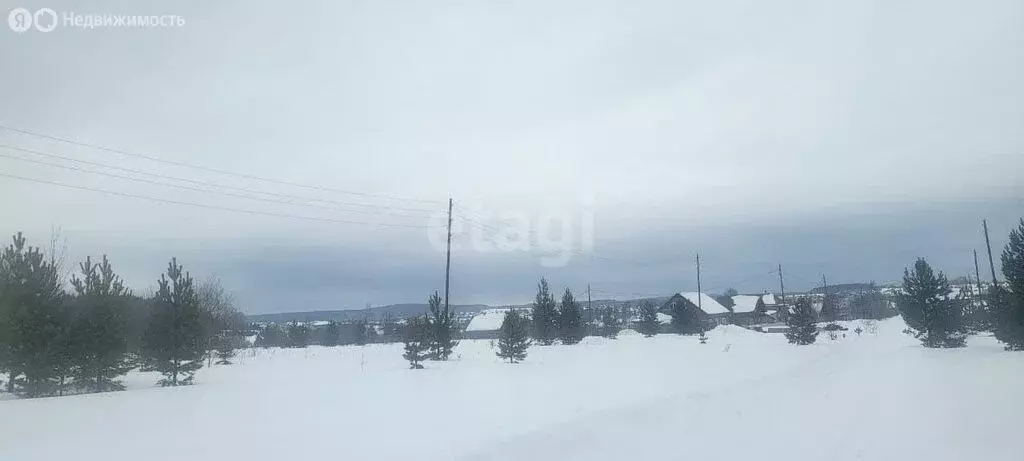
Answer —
83 333
550 321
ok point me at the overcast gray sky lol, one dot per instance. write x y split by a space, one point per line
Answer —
843 138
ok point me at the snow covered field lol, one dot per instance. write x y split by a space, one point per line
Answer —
743 395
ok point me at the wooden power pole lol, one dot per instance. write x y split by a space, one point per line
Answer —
698 285
824 297
977 273
782 287
590 310
448 257
991 265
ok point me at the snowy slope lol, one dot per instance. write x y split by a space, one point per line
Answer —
744 395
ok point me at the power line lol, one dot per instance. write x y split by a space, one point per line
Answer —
208 169
211 207
179 186
208 183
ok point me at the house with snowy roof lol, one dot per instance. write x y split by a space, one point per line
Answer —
754 309
708 312
749 310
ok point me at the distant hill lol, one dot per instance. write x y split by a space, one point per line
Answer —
398 311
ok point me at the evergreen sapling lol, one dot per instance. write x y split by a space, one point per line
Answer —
609 323
545 315
100 328
416 339
570 319
802 329
648 324
930 313
442 329
514 339
174 342
1008 305
224 348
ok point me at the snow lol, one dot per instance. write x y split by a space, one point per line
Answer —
707 303
664 319
744 303
487 320
882 397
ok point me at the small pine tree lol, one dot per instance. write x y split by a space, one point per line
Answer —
685 320
34 322
416 339
174 342
331 334
570 319
224 348
442 328
1008 305
725 299
648 324
545 315
389 329
100 328
802 329
360 333
609 323
298 334
514 338
271 335
933 317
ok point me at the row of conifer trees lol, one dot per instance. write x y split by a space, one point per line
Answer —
548 322
932 312
432 336
83 333
938 317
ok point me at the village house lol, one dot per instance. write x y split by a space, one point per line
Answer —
750 309
709 312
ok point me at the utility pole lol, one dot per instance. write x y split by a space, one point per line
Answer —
448 258
991 265
782 287
590 309
824 298
977 274
698 285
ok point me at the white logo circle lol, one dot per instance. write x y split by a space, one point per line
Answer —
44 25
20 20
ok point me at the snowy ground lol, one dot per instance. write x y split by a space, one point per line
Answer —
743 395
